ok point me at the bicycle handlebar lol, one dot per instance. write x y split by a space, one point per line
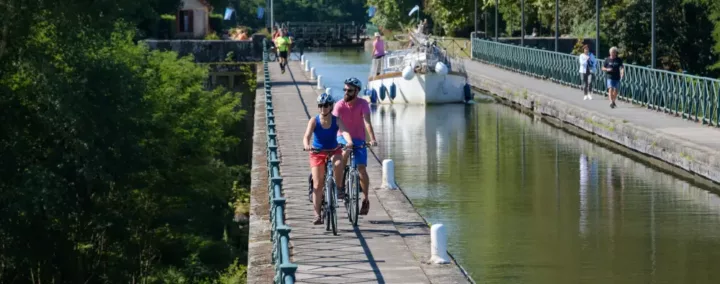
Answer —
357 147
333 150
321 150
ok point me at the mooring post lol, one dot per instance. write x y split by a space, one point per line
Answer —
307 66
388 174
319 83
328 91
312 73
302 59
438 244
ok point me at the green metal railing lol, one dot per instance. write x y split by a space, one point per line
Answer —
280 232
691 97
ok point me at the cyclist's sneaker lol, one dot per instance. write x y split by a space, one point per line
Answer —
365 207
317 221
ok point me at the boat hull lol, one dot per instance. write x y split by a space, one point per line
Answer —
431 88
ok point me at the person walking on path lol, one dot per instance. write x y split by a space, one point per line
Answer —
587 71
378 53
615 71
282 42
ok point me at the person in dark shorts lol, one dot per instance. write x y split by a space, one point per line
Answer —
282 43
615 71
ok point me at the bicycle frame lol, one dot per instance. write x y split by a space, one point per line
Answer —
351 179
329 177
329 202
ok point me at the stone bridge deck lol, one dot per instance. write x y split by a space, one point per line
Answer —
389 245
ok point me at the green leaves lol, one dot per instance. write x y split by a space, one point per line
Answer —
113 164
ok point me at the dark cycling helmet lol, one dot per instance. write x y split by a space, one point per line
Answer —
324 99
353 82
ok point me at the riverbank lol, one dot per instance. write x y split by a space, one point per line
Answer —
683 144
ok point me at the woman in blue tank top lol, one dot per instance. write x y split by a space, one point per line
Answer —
322 130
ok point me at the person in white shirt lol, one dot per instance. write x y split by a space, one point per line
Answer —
588 64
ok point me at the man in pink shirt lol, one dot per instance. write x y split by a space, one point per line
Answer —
355 115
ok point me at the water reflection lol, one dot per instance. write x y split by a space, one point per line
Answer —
528 203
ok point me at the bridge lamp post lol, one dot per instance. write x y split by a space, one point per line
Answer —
476 19
652 32
597 28
522 22
557 24
496 20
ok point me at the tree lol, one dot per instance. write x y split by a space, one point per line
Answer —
391 14
451 15
112 166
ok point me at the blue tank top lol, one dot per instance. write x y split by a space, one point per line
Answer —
325 138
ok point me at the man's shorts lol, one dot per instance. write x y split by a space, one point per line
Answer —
615 84
360 154
318 159
283 54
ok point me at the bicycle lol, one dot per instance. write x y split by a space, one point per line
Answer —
328 205
351 178
272 54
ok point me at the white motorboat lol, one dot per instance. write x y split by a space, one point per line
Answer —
422 74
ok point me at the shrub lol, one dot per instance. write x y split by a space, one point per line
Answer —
217 23
166 26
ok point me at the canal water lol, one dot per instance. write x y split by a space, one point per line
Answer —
525 202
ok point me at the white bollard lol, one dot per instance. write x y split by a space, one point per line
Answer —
319 84
302 59
312 73
328 91
307 66
438 244
388 174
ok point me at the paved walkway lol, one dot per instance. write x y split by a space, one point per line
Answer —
664 123
384 248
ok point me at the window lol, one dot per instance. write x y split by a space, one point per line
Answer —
185 21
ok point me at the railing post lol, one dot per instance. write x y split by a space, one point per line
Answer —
279 232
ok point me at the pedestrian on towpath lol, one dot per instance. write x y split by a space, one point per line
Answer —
615 71
587 71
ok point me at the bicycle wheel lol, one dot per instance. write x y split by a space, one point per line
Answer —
331 206
354 189
346 202
326 208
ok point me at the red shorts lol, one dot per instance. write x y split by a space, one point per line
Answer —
318 159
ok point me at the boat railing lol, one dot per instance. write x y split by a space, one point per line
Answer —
438 54
395 61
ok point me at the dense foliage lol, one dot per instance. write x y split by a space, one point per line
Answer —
117 166
336 11
688 31
391 14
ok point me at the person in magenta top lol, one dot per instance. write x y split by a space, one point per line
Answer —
355 115
378 53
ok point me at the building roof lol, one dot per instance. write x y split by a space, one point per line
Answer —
205 3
